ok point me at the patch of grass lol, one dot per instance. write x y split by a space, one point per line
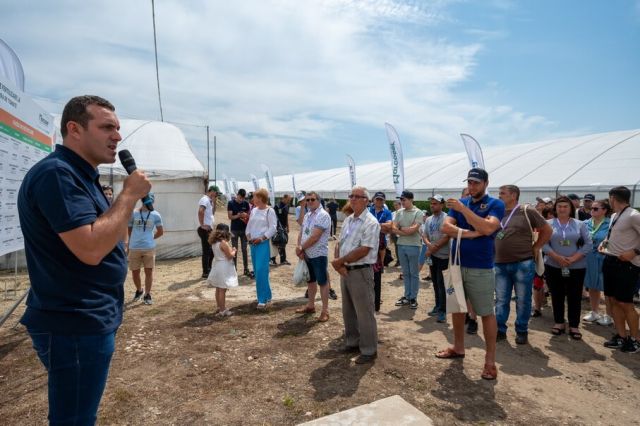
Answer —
288 401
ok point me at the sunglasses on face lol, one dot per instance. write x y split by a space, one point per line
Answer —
595 209
355 197
311 199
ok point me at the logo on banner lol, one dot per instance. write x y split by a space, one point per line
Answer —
474 164
394 171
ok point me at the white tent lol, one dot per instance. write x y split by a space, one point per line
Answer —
585 164
161 150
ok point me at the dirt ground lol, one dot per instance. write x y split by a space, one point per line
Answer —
176 363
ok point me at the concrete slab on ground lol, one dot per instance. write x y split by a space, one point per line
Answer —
391 411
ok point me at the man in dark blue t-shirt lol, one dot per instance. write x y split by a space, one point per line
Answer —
238 211
76 258
332 208
478 216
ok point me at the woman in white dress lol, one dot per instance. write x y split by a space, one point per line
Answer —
223 273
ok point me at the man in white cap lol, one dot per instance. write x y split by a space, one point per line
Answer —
145 227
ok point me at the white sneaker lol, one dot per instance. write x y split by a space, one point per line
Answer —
591 317
605 320
227 313
262 306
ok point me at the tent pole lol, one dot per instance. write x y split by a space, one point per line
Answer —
215 161
208 156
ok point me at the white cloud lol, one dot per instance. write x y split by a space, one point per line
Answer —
275 80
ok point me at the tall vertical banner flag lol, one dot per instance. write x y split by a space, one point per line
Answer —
352 170
270 186
397 162
295 193
254 179
234 185
474 152
26 137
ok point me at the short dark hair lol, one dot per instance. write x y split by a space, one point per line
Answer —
620 194
76 110
564 199
242 192
513 189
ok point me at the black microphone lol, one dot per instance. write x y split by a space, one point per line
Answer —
129 165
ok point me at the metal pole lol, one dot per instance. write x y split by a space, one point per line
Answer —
215 161
13 308
15 276
155 46
208 161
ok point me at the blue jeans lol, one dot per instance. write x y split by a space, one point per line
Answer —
260 254
78 366
518 275
409 262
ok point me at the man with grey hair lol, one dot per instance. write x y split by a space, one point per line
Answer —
355 254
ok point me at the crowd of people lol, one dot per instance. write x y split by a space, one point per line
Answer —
78 239
508 250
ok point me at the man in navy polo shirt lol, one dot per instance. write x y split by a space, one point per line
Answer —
479 217
76 258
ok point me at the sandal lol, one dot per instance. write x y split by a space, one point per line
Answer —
449 353
324 317
306 310
556 331
575 335
489 372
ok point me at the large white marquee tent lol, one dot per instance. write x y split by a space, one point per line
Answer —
162 151
584 164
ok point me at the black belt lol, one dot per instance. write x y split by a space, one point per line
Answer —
354 267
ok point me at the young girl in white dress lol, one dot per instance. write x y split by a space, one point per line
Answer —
223 273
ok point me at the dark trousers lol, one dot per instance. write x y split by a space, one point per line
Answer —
565 288
282 250
77 367
334 224
377 289
438 265
207 251
243 242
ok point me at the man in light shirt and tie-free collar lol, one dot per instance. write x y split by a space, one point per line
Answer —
355 254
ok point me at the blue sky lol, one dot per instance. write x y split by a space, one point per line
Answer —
297 85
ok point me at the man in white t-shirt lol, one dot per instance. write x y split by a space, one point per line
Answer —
206 210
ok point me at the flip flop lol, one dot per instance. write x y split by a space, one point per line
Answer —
489 372
324 317
449 353
305 310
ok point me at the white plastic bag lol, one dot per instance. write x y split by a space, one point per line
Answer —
301 273
454 290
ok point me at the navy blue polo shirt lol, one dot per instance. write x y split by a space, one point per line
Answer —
478 252
60 193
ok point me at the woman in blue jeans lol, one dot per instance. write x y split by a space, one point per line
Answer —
261 227
566 265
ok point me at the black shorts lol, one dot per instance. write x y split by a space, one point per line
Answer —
619 279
